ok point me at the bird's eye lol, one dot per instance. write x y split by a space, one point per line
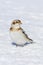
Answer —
13 23
16 21
11 28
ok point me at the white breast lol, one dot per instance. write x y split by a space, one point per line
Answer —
18 37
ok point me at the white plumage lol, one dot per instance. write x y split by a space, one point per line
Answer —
18 35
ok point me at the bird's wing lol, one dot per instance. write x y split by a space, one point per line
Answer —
26 35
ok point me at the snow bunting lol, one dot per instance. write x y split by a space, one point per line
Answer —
18 35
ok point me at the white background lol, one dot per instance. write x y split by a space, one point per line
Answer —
30 12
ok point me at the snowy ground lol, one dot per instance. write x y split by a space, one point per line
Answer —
31 14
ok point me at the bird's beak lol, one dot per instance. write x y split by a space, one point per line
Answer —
21 23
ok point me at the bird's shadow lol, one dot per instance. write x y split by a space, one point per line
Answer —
20 45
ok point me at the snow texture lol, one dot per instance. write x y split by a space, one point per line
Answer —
30 12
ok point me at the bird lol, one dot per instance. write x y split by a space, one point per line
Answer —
18 35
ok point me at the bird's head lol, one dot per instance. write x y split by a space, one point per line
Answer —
16 23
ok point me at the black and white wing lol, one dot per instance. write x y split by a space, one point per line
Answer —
26 35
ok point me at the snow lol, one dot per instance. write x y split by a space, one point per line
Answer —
30 12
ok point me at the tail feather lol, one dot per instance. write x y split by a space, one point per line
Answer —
30 40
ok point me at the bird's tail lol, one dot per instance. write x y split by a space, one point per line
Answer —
30 40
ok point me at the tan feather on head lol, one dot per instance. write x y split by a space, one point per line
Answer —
15 25
16 22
